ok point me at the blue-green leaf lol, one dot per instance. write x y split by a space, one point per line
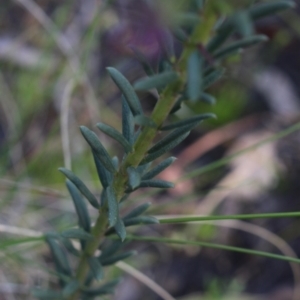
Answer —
80 206
120 229
141 220
212 77
113 259
127 90
194 76
137 211
144 121
107 288
76 233
98 148
96 268
265 9
69 247
127 122
70 288
111 249
152 156
240 44
143 61
80 186
207 98
134 178
157 183
59 255
113 133
189 121
157 81
113 206
104 175
243 23
159 168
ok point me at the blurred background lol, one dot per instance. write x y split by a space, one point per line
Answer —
53 56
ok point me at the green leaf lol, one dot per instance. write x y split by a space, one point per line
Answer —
158 81
137 211
189 121
59 256
213 77
104 176
113 133
134 178
113 259
120 229
144 121
127 122
98 148
127 90
261 10
223 33
96 268
187 19
243 23
240 44
194 76
159 168
113 206
76 233
207 98
107 288
80 186
171 137
115 161
143 61
69 247
47 294
178 103
156 183
70 288
80 206
141 220
165 149
111 249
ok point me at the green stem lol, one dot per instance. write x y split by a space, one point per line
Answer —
187 219
215 246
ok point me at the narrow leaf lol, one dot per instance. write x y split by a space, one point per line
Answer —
143 61
187 19
207 98
70 288
80 206
76 233
212 78
96 268
156 183
113 206
172 136
113 133
80 186
104 175
115 161
107 288
111 249
158 81
177 104
137 211
159 168
144 121
243 23
127 90
194 76
189 121
142 220
69 247
134 178
265 9
98 148
113 259
240 44
59 255
127 122
160 152
120 229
